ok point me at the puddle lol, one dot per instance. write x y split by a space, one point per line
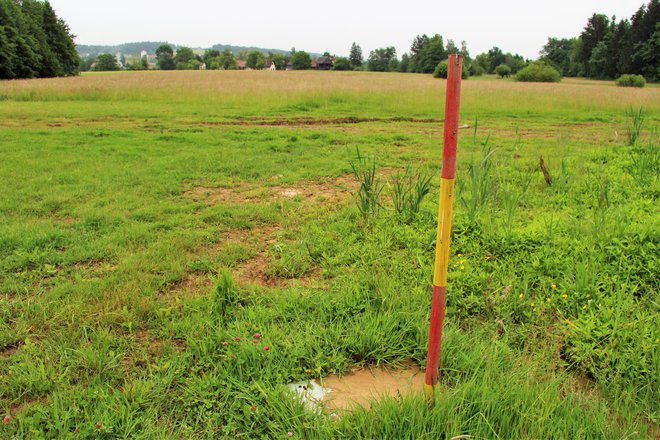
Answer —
360 387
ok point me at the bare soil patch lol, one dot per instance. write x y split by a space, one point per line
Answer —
330 191
256 269
190 285
361 386
298 122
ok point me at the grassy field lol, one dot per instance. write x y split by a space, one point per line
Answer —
151 223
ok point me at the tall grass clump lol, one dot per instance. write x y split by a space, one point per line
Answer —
631 81
477 187
538 72
635 123
368 193
645 165
408 191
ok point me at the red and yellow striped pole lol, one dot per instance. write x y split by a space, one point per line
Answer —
454 71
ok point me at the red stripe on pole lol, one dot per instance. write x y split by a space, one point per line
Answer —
435 334
454 72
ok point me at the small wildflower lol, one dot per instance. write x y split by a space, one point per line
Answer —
255 341
564 296
253 408
584 306
289 434
98 425
554 286
460 255
462 262
266 348
237 339
548 300
257 335
76 431
225 343
533 305
7 419
462 267
521 296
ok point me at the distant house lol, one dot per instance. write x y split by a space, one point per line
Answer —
202 66
270 65
315 64
241 64
152 60
289 66
324 63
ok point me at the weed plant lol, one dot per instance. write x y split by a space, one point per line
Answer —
635 124
370 187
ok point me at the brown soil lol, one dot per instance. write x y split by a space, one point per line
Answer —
297 122
189 286
10 350
329 191
255 270
362 386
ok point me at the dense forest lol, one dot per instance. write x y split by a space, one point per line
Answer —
607 49
34 42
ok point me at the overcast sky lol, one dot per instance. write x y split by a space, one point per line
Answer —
518 26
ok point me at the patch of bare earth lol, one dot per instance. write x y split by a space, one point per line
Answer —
362 386
302 122
190 285
256 270
328 191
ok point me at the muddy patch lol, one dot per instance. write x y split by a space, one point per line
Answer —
362 386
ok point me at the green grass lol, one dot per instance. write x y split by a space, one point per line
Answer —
122 296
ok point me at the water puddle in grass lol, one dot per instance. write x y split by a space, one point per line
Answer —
360 387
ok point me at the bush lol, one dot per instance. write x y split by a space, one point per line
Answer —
441 70
538 71
476 70
342 63
503 71
631 81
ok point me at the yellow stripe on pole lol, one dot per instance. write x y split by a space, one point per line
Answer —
444 232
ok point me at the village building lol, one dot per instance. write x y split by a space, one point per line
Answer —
270 65
241 64
324 63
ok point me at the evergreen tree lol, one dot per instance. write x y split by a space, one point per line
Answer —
34 42
356 55
596 30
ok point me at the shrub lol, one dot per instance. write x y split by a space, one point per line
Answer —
631 81
476 70
538 71
441 70
503 71
342 63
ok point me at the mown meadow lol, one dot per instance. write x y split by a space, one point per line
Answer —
153 223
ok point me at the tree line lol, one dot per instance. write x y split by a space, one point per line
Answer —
607 49
34 41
